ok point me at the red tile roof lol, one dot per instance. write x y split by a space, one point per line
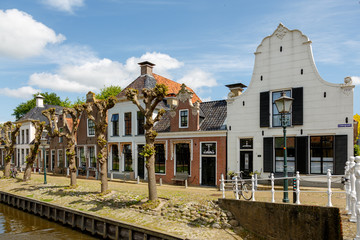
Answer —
174 87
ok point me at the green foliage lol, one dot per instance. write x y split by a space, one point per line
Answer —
148 151
78 101
356 150
107 92
50 98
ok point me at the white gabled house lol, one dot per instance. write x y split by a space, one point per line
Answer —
320 133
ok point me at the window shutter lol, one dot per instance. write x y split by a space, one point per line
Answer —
301 151
268 154
297 107
341 148
265 109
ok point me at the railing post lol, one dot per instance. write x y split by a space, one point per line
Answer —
353 190
87 173
347 187
253 188
111 175
256 180
222 185
138 180
297 187
160 181
186 183
236 189
272 188
329 192
34 170
357 185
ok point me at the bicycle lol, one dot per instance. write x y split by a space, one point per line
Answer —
13 172
244 188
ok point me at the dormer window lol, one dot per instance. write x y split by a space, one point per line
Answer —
91 128
184 118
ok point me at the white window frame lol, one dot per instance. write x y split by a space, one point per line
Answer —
272 107
187 118
58 157
87 128
131 124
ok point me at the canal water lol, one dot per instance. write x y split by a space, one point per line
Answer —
17 224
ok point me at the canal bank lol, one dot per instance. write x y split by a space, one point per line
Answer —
98 226
18 224
122 202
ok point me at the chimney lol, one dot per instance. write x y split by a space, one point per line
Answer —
90 97
171 100
39 101
146 67
236 89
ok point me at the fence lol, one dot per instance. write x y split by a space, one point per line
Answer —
351 180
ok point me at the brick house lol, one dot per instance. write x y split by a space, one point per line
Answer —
87 146
191 141
178 144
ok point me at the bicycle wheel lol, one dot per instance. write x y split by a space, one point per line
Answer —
246 191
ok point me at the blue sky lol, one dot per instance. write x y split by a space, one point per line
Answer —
73 46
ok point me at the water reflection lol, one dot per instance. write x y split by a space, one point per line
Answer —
16 224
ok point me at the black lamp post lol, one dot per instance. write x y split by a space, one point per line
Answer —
283 105
43 141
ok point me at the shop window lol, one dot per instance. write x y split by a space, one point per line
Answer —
279 154
322 154
115 157
159 158
127 158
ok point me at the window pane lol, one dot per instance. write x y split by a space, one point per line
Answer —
246 143
208 148
326 166
315 167
140 123
127 119
115 157
279 166
291 166
127 158
159 158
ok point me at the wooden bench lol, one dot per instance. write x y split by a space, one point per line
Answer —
180 177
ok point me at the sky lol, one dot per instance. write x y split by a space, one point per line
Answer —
71 47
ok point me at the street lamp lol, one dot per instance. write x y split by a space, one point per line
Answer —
283 105
43 142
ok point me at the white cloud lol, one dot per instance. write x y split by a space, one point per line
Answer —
197 78
23 92
56 82
355 80
64 5
21 36
97 73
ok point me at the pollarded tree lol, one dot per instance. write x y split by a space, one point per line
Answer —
8 135
69 132
97 112
151 98
30 159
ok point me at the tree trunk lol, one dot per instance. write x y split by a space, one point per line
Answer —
103 177
72 163
7 169
151 178
27 173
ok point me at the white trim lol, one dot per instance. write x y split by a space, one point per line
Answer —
220 133
200 160
187 118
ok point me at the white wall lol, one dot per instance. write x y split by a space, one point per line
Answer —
281 70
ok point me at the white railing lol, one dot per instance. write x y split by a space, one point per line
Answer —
352 188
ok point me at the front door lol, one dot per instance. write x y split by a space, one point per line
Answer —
246 163
208 171
140 162
183 158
